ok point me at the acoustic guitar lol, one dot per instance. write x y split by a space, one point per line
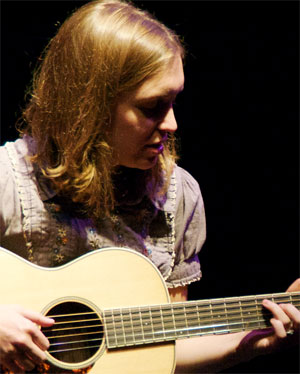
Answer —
113 314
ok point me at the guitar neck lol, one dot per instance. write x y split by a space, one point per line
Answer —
167 322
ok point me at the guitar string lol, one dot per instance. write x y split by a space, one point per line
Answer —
201 307
149 340
151 336
139 327
213 302
169 311
156 314
137 319
165 335
177 308
177 331
166 327
122 318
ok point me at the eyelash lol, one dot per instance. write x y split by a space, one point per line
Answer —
158 110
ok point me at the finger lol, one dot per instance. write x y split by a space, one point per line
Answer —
279 328
38 318
293 313
11 365
35 353
40 339
278 312
24 362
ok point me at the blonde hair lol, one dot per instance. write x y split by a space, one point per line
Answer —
104 49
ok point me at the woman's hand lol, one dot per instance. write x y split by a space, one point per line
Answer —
284 331
22 344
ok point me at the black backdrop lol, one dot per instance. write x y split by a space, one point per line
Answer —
238 124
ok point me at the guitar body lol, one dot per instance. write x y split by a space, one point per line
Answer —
105 278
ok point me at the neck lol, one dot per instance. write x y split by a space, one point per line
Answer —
167 322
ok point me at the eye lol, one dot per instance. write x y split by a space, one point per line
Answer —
155 110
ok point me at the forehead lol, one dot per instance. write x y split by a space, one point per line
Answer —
165 84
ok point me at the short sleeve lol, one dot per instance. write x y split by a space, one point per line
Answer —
190 230
10 211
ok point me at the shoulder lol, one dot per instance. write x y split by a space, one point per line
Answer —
5 166
186 178
187 186
14 160
8 189
17 150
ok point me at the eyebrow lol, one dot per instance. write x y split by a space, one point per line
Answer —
162 95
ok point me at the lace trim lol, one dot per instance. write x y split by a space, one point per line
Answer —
24 185
186 282
34 213
170 218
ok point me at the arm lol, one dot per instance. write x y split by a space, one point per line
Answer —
214 353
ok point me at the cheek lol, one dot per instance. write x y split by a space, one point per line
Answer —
125 134
131 127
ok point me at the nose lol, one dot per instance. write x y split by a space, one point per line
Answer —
168 123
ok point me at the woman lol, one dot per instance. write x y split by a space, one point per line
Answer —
96 167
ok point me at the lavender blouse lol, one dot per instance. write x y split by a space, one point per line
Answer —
169 231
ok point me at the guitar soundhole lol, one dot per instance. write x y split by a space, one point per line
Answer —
77 333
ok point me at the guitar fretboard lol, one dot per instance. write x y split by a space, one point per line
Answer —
167 322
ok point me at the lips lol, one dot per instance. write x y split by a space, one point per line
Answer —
156 147
158 144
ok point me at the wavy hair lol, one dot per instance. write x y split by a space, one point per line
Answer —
104 49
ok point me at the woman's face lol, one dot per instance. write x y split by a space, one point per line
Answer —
144 118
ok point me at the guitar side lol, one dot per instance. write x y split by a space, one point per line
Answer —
107 278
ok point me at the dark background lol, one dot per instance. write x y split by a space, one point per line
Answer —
238 124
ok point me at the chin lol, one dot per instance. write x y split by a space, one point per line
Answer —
144 164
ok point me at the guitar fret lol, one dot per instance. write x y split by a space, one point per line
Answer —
211 313
248 313
206 318
162 323
110 329
122 325
221 317
195 324
173 322
131 327
119 328
141 323
241 313
233 315
185 317
192 315
147 325
178 320
155 319
150 324
166 311
198 315
226 314
137 327
258 312
128 327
